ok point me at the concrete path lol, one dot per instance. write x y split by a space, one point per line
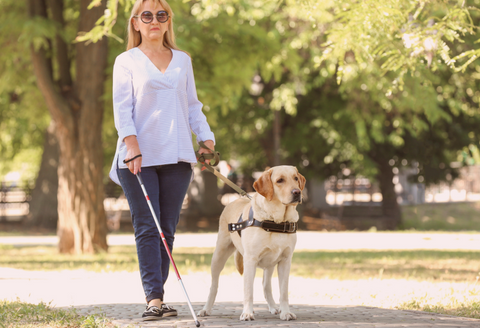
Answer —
316 302
227 314
306 240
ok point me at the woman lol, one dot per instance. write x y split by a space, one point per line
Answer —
155 108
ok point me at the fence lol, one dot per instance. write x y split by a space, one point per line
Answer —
359 190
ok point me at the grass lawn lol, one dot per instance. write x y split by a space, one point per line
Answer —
458 216
423 265
24 315
470 309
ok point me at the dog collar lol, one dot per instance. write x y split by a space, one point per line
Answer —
269 226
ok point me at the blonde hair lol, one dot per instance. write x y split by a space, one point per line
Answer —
134 37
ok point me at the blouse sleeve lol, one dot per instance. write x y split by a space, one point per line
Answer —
197 120
123 99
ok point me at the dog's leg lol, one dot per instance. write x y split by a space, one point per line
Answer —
267 289
283 274
222 252
250 267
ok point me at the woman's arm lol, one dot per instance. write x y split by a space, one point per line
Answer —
133 150
123 112
197 119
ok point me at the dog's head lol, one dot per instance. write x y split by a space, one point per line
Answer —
281 182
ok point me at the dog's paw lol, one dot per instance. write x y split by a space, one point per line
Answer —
203 313
287 316
247 317
273 310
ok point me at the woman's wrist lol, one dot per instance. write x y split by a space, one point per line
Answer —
209 143
131 141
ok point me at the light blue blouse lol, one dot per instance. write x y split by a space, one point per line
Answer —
161 109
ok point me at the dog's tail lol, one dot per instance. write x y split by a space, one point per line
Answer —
239 262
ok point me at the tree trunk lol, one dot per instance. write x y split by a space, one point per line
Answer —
390 207
203 202
76 107
317 194
82 220
44 204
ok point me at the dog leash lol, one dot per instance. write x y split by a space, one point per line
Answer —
215 155
269 226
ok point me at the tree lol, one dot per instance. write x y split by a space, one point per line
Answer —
372 130
76 107
344 41
24 121
43 209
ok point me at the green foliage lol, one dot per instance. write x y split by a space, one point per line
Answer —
400 35
106 24
406 69
387 96
23 117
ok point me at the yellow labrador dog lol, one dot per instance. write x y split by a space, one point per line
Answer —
279 191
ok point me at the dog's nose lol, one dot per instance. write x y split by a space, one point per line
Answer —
296 196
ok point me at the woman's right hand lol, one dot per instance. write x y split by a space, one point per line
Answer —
133 150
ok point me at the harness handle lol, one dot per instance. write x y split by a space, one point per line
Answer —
215 155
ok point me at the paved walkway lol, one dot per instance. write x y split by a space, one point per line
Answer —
119 295
227 314
306 240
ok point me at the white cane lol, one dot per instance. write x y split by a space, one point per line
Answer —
139 177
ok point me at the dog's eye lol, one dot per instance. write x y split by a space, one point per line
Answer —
279 180
296 178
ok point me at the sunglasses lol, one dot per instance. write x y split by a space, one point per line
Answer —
147 16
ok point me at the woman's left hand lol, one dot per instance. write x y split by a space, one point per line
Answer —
209 144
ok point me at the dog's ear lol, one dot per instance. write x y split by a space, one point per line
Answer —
264 185
301 180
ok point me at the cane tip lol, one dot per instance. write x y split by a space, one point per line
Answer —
197 323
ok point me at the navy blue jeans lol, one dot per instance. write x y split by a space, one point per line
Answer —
166 187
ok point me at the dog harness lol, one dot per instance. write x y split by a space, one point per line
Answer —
270 226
